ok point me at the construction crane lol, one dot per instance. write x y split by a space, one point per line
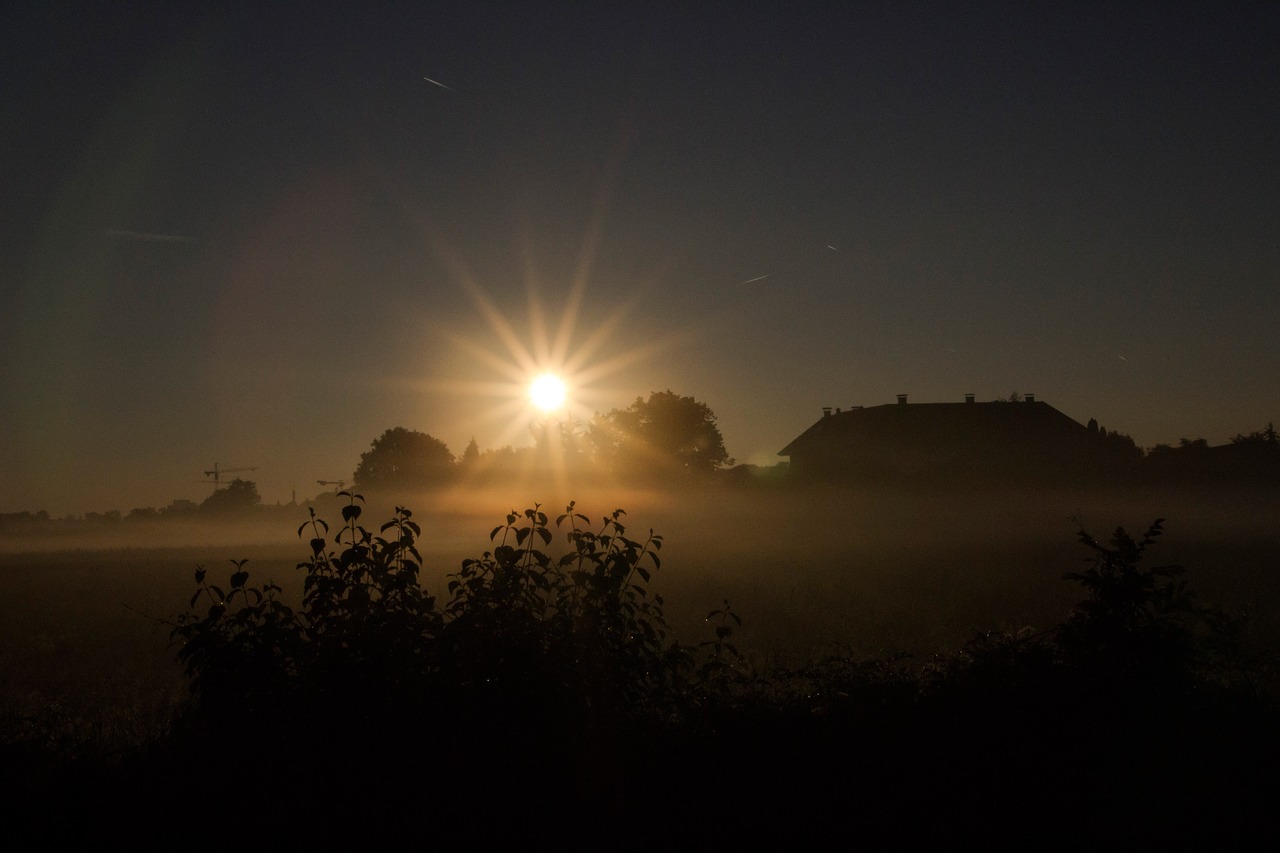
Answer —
217 473
341 484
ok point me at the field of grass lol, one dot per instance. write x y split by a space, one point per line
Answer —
86 667
877 572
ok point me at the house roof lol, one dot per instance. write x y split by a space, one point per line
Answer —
999 424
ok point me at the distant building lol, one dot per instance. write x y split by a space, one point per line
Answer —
181 506
942 441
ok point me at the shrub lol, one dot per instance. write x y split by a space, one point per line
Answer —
519 635
547 690
1141 624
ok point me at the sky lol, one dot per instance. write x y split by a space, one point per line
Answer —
262 234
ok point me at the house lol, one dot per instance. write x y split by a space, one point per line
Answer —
1026 439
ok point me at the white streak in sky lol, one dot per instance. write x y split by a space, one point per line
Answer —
832 248
438 83
147 237
757 278
1122 358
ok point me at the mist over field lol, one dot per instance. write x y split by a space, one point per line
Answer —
877 571
860 579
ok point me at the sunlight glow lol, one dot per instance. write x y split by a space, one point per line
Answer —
547 366
547 392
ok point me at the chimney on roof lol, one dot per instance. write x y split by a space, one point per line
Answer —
968 398
826 411
902 399
1028 398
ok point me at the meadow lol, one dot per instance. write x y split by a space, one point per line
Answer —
87 671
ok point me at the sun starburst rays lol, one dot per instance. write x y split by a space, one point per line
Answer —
515 351
547 329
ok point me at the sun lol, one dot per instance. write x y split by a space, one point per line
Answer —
544 364
547 392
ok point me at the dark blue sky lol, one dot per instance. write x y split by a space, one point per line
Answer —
261 238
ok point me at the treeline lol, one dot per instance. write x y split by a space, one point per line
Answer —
672 438
664 436
1249 458
236 497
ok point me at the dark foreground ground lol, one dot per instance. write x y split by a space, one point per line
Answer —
873 712
1001 766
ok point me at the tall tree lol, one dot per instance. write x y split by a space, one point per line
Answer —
404 459
665 430
471 455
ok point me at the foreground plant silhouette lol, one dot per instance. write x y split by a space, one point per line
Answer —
535 673
1138 628
520 635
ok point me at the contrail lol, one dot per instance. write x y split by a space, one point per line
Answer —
757 278
147 237
438 83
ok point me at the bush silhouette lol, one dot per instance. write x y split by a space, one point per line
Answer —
557 639
534 673
1138 622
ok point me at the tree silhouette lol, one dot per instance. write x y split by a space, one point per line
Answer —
665 429
1261 438
238 496
563 441
471 455
402 459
